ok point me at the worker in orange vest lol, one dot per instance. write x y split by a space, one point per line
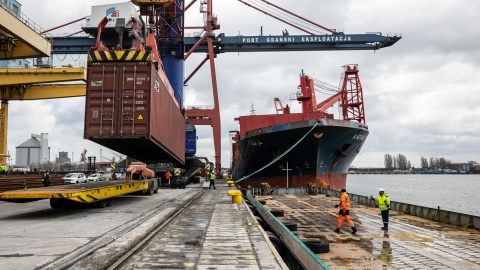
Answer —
344 212
168 175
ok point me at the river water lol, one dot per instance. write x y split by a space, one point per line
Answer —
453 192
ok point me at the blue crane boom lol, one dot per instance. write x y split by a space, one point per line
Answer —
224 44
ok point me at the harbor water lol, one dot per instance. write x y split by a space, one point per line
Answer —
453 192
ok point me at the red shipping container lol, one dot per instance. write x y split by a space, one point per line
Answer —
129 109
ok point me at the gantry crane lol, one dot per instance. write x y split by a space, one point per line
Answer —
22 38
175 48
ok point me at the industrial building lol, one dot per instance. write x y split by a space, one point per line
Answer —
33 151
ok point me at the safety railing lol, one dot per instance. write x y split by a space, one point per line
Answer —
15 10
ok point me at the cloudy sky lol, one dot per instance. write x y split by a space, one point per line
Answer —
420 95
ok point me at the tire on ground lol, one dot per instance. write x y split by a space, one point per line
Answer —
291 225
317 246
157 182
56 203
277 213
101 204
195 179
260 221
149 191
109 201
254 210
277 243
184 182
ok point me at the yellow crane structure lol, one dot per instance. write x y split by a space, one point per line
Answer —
21 38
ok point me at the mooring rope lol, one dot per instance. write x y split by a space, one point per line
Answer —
279 157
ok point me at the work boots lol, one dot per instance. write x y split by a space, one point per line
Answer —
354 230
337 230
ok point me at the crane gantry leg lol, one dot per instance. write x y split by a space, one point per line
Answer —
28 84
209 116
3 132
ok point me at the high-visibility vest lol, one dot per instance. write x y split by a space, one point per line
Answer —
344 201
383 202
212 176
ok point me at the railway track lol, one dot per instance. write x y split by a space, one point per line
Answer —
173 244
114 249
191 228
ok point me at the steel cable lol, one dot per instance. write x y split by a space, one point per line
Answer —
279 157
285 16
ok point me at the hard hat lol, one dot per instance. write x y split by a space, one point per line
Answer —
381 189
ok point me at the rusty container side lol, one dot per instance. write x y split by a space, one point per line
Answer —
129 110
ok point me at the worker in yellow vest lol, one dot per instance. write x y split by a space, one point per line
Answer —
3 169
46 178
211 176
383 203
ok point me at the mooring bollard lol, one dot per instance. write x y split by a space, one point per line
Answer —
236 196
231 183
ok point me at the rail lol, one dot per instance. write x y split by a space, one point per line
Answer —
79 254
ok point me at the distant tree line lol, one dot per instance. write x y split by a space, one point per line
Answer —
434 163
400 162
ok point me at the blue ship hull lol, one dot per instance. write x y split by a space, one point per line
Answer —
323 157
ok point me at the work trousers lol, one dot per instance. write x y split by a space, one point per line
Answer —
212 184
385 218
344 216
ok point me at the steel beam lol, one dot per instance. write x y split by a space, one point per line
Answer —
26 76
22 35
45 91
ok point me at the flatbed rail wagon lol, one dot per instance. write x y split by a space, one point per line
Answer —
99 193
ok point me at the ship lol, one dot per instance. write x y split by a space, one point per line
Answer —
294 150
